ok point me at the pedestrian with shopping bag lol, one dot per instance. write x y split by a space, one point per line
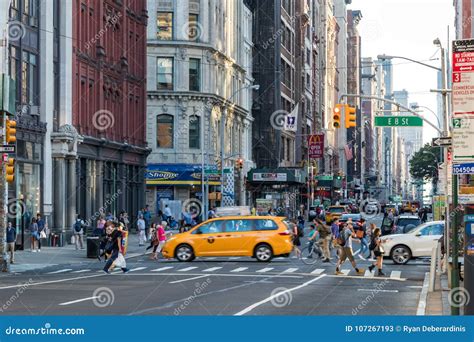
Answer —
114 247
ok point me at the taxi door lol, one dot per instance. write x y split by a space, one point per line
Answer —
208 239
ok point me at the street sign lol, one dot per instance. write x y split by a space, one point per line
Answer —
463 169
10 149
398 121
463 137
216 171
463 78
442 142
316 146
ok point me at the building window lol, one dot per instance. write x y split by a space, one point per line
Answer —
194 131
14 10
29 79
194 30
194 74
165 74
164 131
30 12
164 26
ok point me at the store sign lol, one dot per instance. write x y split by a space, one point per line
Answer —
466 198
270 177
316 146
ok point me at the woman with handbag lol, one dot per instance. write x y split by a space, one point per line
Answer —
376 246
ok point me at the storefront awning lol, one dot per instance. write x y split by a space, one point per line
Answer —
178 174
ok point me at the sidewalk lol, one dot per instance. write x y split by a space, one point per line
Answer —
437 302
51 256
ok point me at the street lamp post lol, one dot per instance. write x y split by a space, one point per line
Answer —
222 132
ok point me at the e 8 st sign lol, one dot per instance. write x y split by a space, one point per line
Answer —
398 121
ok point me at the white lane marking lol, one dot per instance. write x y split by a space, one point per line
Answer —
60 271
137 269
290 270
266 300
78 300
368 274
212 269
210 258
52 281
263 270
318 271
421 310
187 269
373 290
162 269
345 272
235 258
415 287
395 274
239 269
81 271
367 278
188 279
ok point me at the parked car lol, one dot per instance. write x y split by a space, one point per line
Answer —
405 223
418 242
261 237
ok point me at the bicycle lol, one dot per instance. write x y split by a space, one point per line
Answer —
313 254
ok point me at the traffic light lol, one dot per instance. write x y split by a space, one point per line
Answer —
351 116
10 131
10 170
336 115
240 163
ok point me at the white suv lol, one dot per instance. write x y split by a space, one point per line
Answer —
418 242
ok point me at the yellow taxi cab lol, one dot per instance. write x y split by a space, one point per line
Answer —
261 237
335 211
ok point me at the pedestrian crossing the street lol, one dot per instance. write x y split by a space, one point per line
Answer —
246 271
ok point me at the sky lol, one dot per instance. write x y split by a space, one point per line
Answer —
407 28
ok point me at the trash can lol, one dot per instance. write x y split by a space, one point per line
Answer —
93 244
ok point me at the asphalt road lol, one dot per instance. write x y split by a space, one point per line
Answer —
213 286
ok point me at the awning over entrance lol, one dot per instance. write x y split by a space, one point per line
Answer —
276 176
178 174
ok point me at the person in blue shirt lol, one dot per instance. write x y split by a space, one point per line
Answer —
11 239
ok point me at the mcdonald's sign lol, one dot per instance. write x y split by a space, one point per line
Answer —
316 146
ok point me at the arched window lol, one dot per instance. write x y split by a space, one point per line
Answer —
164 131
194 131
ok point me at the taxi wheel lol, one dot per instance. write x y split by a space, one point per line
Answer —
184 253
263 253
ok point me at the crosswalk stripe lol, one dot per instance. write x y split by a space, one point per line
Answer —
395 274
212 269
266 269
345 272
137 269
290 270
60 271
162 269
318 271
187 269
368 274
239 269
81 271
234 258
210 258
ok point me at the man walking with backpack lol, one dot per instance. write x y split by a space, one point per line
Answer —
78 232
325 238
345 241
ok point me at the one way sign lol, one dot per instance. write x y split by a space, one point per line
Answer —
442 142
